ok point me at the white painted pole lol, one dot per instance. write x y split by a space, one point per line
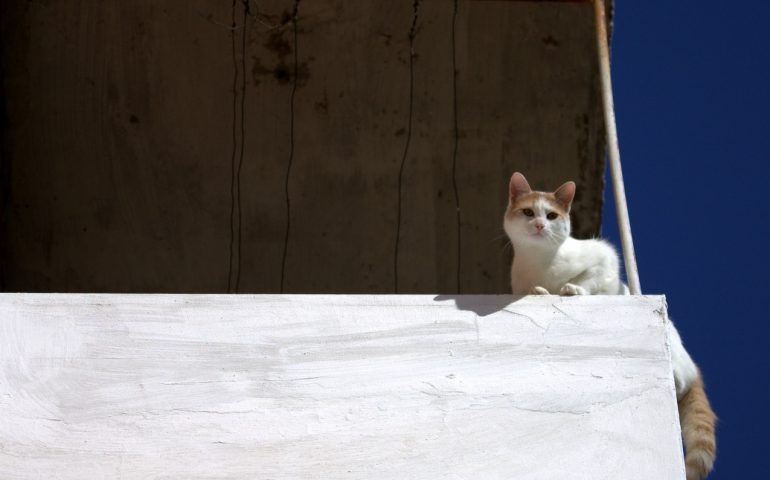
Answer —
613 152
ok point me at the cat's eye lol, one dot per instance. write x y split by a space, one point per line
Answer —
528 212
552 216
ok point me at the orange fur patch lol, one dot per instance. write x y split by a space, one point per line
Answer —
527 200
698 431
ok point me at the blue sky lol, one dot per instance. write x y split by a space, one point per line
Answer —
692 93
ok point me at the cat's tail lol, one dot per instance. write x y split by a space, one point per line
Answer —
698 421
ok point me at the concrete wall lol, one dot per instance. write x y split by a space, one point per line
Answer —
336 387
129 127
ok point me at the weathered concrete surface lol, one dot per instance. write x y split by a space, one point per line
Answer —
123 123
355 387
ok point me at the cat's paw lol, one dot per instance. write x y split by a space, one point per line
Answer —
570 289
537 290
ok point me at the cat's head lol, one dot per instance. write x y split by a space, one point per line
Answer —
537 219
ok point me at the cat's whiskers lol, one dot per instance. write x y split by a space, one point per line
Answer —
553 239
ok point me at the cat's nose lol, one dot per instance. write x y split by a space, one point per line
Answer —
539 226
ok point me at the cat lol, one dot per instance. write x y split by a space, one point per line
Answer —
547 260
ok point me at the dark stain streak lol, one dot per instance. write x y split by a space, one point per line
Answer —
412 34
281 73
455 145
231 260
286 17
386 38
246 13
302 74
322 106
285 70
276 43
294 20
551 41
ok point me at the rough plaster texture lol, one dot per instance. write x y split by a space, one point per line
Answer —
367 387
123 119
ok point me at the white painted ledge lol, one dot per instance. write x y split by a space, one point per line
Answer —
353 387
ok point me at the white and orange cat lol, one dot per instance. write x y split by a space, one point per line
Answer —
547 260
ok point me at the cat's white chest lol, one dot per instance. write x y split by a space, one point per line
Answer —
528 273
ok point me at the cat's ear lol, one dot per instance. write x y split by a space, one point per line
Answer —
518 186
565 194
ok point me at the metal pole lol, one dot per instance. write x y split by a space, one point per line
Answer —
613 152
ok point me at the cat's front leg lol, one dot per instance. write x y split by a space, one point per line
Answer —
570 289
538 290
